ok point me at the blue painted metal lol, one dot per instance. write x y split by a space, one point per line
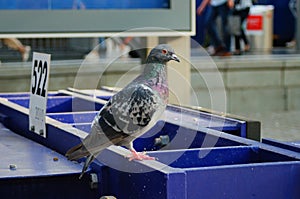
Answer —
89 4
184 115
199 162
245 181
38 172
15 117
31 158
238 172
293 146
204 119
60 103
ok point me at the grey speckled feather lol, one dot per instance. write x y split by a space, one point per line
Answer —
130 112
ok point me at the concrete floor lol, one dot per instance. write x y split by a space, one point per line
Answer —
282 126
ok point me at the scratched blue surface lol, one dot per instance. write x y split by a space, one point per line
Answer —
39 171
30 158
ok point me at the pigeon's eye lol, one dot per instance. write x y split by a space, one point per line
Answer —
164 51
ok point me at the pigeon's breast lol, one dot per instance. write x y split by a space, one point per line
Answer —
162 90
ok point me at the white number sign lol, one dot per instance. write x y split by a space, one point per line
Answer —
39 92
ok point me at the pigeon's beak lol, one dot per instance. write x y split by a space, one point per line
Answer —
175 58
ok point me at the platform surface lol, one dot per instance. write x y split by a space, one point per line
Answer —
30 158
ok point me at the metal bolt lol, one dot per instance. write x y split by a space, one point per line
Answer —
108 197
41 132
32 128
162 140
13 167
94 181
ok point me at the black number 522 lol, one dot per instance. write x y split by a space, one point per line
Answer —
40 72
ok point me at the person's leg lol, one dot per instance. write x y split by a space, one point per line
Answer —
237 39
15 44
244 15
212 27
224 13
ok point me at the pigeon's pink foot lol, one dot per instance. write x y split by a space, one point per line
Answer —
139 156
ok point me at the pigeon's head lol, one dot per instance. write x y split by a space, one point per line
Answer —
162 53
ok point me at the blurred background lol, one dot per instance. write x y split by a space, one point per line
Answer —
261 83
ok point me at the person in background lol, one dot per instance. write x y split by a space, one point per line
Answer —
218 8
15 44
242 8
293 7
78 5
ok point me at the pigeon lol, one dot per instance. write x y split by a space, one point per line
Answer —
129 113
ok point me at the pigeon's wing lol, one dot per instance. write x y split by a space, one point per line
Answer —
132 109
101 136
125 115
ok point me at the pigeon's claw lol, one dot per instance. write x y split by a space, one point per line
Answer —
139 156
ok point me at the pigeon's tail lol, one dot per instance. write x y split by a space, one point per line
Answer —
92 144
88 161
101 136
77 152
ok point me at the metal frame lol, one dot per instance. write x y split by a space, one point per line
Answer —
179 20
235 167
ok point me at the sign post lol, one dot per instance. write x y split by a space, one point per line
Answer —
39 92
255 24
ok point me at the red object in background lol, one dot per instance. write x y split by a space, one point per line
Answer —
255 23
